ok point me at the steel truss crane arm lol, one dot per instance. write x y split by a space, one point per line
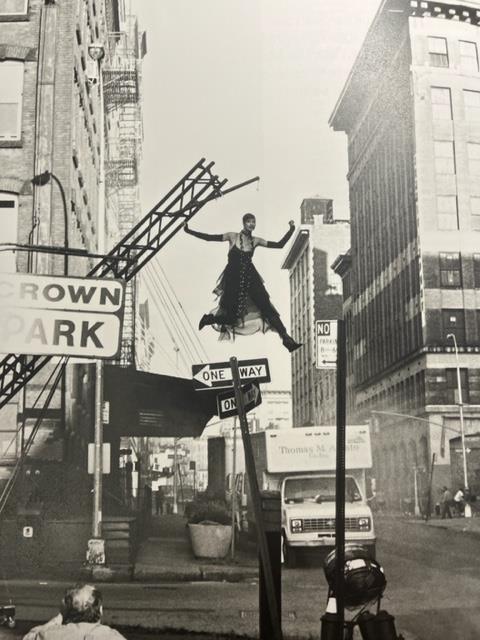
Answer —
198 187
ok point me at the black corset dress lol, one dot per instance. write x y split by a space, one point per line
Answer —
244 304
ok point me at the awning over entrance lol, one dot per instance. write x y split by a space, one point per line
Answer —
152 405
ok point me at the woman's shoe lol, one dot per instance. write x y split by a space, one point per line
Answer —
290 344
206 319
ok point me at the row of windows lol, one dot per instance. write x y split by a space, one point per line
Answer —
438 54
451 269
442 104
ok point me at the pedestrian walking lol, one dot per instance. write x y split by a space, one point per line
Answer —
459 501
446 503
159 501
80 617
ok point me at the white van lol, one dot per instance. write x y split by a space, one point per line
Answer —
300 463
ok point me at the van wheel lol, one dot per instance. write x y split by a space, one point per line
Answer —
289 554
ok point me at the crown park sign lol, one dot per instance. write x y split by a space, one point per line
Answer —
54 315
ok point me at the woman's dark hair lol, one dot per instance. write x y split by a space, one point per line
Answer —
248 216
82 603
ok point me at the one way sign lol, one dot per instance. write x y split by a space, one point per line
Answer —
227 405
218 375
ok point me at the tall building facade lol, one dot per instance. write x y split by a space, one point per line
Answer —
411 111
77 118
315 294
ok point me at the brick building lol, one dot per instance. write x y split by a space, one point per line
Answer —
51 120
315 294
411 111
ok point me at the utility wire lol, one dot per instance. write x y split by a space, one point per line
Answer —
193 331
174 324
187 330
152 289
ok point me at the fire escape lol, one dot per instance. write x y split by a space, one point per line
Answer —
121 84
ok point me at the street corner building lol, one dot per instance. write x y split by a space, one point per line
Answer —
70 144
411 111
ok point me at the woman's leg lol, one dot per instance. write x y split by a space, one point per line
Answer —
261 299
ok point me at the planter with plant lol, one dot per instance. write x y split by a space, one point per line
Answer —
209 523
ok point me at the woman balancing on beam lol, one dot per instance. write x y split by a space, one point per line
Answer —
244 304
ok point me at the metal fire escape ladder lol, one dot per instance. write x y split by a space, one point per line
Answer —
138 247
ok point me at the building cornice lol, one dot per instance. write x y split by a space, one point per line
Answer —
380 44
301 238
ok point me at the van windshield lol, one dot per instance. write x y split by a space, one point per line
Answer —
318 490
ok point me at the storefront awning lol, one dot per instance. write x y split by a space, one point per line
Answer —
152 405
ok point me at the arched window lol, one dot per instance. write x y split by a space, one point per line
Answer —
9 227
11 90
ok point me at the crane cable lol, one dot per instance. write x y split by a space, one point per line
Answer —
187 329
152 289
175 325
194 333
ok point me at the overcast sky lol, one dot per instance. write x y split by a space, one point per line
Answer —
249 84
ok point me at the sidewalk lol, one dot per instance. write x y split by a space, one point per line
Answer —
166 556
466 526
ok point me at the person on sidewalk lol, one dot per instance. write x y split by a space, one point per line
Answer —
79 618
159 501
446 503
459 501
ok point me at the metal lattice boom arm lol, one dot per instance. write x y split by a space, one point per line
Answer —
138 247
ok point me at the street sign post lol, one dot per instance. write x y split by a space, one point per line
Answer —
227 404
218 375
274 606
326 344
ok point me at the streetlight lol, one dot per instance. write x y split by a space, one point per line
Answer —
96 51
460 410
40 180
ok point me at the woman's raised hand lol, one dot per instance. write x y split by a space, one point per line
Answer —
291 223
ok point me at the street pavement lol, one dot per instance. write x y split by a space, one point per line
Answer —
433 574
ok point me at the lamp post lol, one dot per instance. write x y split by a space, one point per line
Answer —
96 51
40 180
451 336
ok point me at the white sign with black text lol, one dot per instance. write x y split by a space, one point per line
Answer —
55 315
326 344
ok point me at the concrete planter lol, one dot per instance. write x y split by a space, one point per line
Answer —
210 540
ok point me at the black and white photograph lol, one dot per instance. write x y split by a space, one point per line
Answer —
239 319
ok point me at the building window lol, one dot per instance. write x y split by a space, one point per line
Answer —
441 103
8 225
437 51
11 89
13 7
450 270
476 270
444 157
447 211
468 56
453 321
475 212
472 105
452 385
473 152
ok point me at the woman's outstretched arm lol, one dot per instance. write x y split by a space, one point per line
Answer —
210 237
280 243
